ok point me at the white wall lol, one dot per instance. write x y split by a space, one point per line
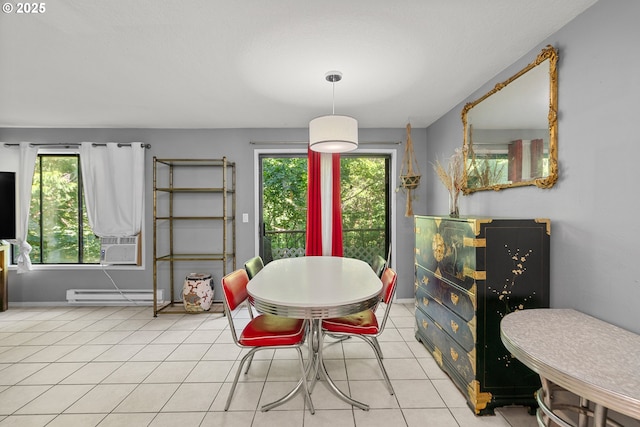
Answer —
594 232
50 285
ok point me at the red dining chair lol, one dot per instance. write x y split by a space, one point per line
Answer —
263 332
365 324
253 266
378 265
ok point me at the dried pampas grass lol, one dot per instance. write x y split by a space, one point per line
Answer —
452 175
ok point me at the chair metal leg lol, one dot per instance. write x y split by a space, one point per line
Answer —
246 371
301 383
235 380
339 337
377 344
339 392
322 371
378 355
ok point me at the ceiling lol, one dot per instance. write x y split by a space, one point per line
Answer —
259 64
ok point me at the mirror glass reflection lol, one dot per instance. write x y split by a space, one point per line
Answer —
510 133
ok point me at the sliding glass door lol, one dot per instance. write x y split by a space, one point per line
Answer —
366 202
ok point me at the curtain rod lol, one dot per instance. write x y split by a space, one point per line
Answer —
73 144
307 142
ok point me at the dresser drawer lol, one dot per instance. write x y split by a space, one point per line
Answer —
448 248
427 251
447 352
459 330
459 301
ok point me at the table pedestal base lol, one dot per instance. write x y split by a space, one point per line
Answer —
316 367
547 416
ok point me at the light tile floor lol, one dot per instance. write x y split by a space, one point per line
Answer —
120 366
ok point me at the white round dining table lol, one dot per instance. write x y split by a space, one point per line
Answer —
315 288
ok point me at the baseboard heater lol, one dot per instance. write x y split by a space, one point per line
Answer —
112 296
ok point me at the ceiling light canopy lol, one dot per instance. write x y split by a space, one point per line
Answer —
333 134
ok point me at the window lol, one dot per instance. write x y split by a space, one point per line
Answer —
366 205
492 167
59 231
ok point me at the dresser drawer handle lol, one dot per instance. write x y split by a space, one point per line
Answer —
454 355
475 275
474 243
454 298
454 326
424 324
425 301
438 247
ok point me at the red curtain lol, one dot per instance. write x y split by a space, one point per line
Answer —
514 169
537 152
336 208
315 201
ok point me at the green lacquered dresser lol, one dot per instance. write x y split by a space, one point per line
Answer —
469 274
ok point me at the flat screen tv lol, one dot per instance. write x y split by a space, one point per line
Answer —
7 205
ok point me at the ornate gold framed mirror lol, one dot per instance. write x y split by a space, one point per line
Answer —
510 133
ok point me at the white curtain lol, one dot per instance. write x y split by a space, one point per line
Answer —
28 155
326 191
113 182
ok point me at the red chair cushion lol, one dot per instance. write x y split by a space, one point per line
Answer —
267 330
364 323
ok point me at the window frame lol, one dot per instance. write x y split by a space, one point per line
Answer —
393 153
73 151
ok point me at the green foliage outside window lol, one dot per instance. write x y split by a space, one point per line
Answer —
363 200
285 199
59 232
363 187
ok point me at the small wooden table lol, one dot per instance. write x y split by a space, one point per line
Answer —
592 359
315 288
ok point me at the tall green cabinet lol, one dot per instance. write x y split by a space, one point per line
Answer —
469 274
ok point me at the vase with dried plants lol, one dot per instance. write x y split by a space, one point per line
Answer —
452 176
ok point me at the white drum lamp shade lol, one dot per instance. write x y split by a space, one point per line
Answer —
333 134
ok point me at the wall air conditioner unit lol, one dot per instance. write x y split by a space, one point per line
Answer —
119 250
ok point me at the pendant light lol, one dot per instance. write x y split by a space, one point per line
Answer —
333 134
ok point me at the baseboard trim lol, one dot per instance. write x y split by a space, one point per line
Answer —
27 304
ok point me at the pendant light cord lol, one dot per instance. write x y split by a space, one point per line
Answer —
333 96
333 77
